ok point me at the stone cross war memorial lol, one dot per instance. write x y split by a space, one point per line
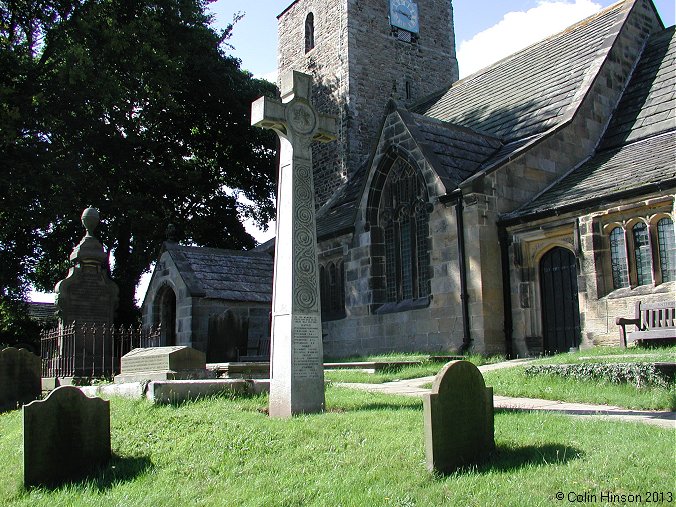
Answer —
296 370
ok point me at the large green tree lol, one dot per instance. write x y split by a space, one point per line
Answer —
136 108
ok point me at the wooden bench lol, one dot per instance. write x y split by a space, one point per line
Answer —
653 321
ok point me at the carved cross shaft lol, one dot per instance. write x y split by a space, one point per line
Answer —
297 374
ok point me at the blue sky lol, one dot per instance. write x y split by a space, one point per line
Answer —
481 27
485 30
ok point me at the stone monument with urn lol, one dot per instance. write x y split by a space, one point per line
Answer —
88 296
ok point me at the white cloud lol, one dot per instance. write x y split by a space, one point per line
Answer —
268 76
518 30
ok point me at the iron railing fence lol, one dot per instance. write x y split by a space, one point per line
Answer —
84 349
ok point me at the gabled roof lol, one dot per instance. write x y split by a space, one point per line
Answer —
455 152
339 214
224 274
647 105
483 120
534 89
644 166
637 153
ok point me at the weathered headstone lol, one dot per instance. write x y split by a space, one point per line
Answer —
19 378
297 374
458 417
162 363
88 295
66 436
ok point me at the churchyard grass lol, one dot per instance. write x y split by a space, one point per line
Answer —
391 374
514 382
613 354
367 450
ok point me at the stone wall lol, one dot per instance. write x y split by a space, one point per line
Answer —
357 66
586 235
167 277
517 182
436 327
192 311
439 325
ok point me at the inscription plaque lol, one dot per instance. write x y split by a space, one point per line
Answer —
307 332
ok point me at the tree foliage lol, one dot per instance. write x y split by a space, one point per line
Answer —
133 107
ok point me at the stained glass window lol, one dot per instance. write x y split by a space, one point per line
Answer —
667 245
404 217
618 258
642 254
332 290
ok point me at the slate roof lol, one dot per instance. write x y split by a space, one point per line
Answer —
224 274
642 166
531 90
483 119
338 216
647 105
638 151
455 152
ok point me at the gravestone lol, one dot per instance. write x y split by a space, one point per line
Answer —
162 363
297 373
88 295
66 436
458 417
19 378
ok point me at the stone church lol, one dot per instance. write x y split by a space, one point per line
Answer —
518 210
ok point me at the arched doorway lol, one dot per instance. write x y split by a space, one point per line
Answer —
560 308
166 315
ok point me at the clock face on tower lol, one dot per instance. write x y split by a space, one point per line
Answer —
404 15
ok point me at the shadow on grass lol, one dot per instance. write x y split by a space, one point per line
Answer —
119 469
508 459
376 405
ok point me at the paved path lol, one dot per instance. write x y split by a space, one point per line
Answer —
413 387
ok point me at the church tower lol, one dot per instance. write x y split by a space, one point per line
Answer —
361 53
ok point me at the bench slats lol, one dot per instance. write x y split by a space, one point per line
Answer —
654 321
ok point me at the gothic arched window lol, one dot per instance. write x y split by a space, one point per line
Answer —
642 254
618 258
404 216
309 32
667 249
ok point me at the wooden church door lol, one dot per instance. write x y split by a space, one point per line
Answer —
560 309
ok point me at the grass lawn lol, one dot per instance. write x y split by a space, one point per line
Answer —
425 369
367 450
513 381
613 354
